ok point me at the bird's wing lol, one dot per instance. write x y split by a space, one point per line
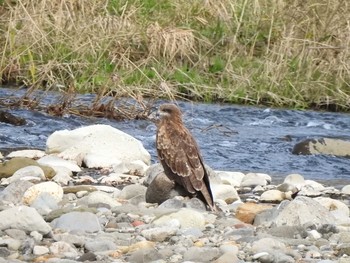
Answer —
179 151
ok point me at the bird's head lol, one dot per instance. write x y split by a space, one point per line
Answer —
166 112
169 111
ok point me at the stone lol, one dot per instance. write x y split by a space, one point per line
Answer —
201 254
16 233
152 172
86 145
303 210
255 179
32 154
328 146
264 244
131 191
40 250
224 192
274 196
8 168
162 188
100 245
14 192
337 208
231 178
188 218
98 198
56 161
63 249
137 167
296 180
51 188
81 221
28 173
63 175
163 232
45 203
346 189
23 218
247 212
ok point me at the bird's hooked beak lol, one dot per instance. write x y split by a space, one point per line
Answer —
154 116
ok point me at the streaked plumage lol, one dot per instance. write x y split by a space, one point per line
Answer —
179 155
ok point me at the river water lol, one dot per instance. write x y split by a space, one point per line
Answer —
234 138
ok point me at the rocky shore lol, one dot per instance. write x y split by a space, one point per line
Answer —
84 199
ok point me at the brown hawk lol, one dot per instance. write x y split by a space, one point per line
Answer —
179 155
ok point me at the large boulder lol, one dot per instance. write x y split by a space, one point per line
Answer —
328 146
97 146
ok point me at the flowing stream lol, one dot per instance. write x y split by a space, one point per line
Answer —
234 138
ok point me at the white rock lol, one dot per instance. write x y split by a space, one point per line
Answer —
132 190
55 161
264 244
28 173
337 208
98 197
1 156
254 179
137 167
40 250
309 190
32 154
273 196
303 210
295 179
162 233
232 178
188 218
315 185
63 249
224 192
23 218
63 175
346 189
52 188
313 234
97 146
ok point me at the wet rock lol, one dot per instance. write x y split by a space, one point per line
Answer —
7 117
51 188
330 146
87 145
77 221
9 167
29 173
55 161
23 218
247 212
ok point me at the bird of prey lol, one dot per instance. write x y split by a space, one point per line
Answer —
179 155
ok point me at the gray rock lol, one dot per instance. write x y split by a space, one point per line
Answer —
13 193
27 173
4 252
45 203
161 233
100 245
144 255
75 240
16 233
98 199
201 254
63 249
337 147
23 218
82 221
131 191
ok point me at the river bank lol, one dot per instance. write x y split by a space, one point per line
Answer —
246 52
55 207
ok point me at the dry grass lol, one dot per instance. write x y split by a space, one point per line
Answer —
284 54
